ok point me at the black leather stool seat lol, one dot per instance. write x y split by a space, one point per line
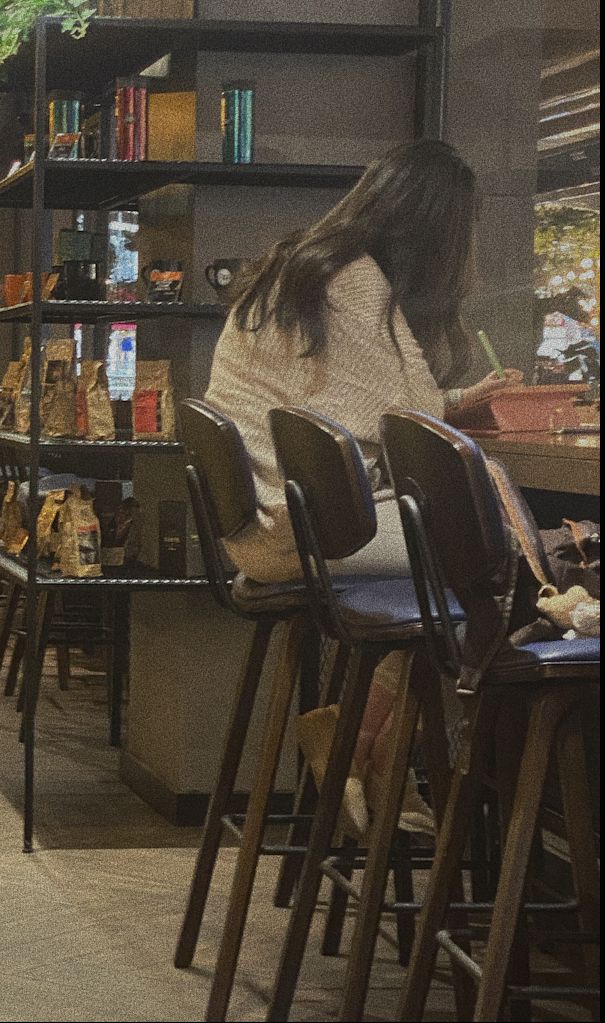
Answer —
389 605
257 598
547 660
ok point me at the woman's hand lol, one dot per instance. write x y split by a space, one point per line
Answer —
491 384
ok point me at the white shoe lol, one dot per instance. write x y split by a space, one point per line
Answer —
416 815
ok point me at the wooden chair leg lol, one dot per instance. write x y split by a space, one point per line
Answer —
445 874
232 753
577 810
436 753
547 713
405 721
44 619
306 797
509 742
403 881
8 619
284 683
352 710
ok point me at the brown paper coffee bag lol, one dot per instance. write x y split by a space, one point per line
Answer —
12 532
23 394
8 393
79 553
48 524
153 402
94 413
58 401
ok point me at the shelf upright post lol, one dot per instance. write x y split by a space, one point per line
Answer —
31 650
428 121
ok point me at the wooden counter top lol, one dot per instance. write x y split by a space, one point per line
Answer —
568 463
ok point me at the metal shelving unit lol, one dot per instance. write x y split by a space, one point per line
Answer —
114 312
114 47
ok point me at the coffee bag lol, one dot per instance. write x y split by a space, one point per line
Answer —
23 393
48 524
58 400
94 413
153 402
8 393
13 534
79 553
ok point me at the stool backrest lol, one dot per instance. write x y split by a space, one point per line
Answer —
522 521
329 498
221 485
452 519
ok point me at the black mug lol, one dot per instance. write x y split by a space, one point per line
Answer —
164 279
81 281
221 275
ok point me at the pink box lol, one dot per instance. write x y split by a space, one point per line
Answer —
523 410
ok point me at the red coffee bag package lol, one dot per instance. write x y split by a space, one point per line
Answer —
153 402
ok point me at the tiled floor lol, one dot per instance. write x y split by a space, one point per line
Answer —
89 922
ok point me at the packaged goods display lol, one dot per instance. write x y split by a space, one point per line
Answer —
79 553
13 534
94 413
48 524
122 534
23 392
164 279
59 381
8 391
153 402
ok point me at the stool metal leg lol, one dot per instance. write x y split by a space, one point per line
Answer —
546 716
284 682
406 712
577 809
349 723
232 753
448 858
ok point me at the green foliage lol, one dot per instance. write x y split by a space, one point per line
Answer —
565 235
18 17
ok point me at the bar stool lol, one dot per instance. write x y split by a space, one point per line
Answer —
223 496
333 515
456 537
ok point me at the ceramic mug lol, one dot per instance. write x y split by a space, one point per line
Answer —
221 275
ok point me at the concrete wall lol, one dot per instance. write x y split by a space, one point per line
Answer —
493 100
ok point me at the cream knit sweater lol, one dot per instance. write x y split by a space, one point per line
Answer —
356 377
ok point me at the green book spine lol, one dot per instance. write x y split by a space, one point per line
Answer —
246 124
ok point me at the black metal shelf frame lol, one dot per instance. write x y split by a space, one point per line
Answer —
114 312
118 184
114 47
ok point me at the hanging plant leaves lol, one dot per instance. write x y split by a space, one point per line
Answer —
18 18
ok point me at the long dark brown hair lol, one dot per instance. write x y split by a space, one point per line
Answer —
413 211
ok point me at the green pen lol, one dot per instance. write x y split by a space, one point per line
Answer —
489 351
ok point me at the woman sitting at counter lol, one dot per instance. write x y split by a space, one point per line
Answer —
357 314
